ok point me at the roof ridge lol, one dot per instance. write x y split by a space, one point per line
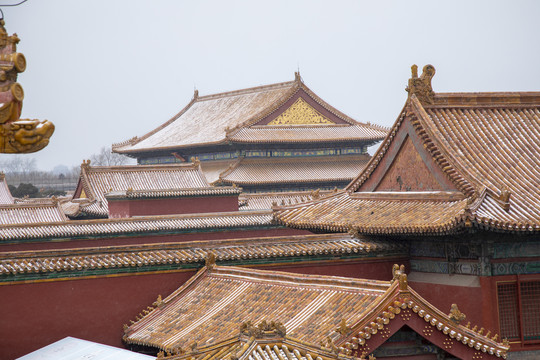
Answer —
157 167
302 279
486 99
245 91
135 140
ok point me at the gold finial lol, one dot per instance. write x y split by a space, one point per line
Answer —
196 161
456 315
421 87
210 260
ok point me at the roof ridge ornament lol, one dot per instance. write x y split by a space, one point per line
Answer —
210 262
85 164
398 273
456 315
421 86
297 77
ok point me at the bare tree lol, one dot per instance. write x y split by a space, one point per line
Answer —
18 164
106 157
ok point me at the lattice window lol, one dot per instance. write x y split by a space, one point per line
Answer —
508 310
530 300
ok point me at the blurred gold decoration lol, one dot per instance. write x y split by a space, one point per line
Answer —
17 135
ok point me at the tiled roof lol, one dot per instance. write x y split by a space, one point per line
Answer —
263 348
165 193
213 304
398 213
96 181
220 118
135 256
259 201
138 225
248 171
30 214
206 118
337 315
307 134
485 144
5 194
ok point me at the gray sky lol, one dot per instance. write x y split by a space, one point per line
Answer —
105 71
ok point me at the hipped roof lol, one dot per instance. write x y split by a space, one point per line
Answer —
485 145
337 315
96 181
233 116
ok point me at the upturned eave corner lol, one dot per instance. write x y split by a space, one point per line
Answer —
401 305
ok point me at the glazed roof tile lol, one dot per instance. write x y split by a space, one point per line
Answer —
191 125
308 134
334 314
136 225
259 201
486 144
244 348
30 213
5 194
96 181
229 296
233 116
165 193
248 171
396 214
189 252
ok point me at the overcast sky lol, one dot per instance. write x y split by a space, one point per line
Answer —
105 71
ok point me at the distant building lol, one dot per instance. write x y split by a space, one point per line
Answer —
279 137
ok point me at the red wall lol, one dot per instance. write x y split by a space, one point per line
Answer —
95 309
189 205
374 269
37 314
468 299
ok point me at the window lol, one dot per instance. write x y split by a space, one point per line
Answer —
519 318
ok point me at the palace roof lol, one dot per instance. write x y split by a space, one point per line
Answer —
193 252
265 347
451 161
30 214
338 315
5 194
137 180
259 201
259 171
136 226
284 112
